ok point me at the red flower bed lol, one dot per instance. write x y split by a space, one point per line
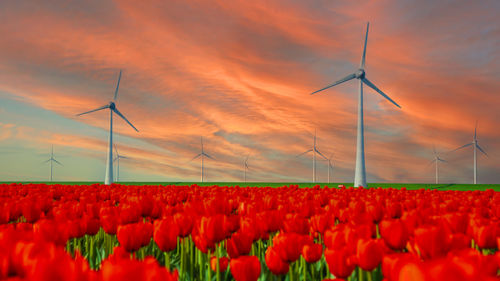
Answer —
99 232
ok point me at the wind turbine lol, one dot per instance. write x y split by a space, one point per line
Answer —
437 159
246 167
202 154
108 179
51 160
117 159
360 172
475 145
330 166
314 150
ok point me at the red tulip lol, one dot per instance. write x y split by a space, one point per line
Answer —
485 236
134 236
339 262
369 254
274 262
223 262
312 252
432 241
165 234
245 268
394 234
240 244
184 222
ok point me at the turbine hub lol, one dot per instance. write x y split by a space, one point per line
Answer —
112 105
360 74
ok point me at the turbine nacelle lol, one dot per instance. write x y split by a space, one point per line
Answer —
360 74
112 105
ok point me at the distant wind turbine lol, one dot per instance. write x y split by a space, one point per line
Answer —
202 154
51 160
314 150
475 145
246 167
330 166
360 173
117 159
437 159
108 179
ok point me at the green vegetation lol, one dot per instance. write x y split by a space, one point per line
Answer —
409 186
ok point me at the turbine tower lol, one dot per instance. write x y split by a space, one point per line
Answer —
475 145
51 160
117 159
314 150
202 154
330 166
437 159
360 172
246 167
108 179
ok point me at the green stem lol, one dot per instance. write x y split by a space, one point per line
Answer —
167 260
369 275
209 269
360 273
217 255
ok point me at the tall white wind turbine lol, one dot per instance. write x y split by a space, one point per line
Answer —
360 172
51 160
437 159
117 159
314 150
202 154
108 179
475 145
246 168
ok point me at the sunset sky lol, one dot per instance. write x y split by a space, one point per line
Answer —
239 73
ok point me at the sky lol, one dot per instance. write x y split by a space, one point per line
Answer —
240 73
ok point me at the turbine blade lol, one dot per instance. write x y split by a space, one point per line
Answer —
97 109
123 117
310 150
208 156
320 154
475 130
371 85
434 149
123 157
46 161
480 149
465 145
347 78
362 64
116 150
430 163
57 162
195 157
118 85
442 160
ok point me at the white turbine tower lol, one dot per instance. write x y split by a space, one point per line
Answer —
246 167
108 179
314 150
475 145
51 160
437 159
117 159
360 172
202 154
330 166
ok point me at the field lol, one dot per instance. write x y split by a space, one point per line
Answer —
409 186
220 232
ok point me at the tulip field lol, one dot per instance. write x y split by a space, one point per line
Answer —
221 233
